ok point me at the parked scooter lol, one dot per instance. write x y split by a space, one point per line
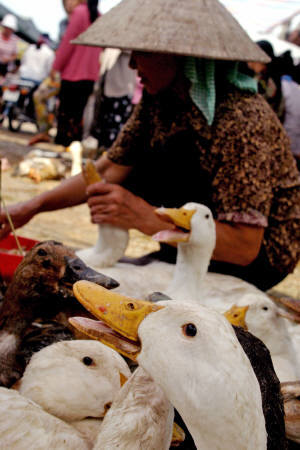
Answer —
17 104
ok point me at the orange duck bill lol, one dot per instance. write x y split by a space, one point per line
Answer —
181 218
119 316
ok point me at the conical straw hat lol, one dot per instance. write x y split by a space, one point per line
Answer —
201 28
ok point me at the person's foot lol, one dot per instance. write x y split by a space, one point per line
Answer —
41 137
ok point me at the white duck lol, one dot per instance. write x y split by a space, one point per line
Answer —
196 238
289 308
175 342
220 292
141 417
194 249
64 385
140 281
24 424
189 279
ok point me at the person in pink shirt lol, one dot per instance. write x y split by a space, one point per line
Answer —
78 67
8 42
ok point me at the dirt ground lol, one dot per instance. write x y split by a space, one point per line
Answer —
72 225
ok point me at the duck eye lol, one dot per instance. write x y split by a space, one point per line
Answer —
107 406
87 361
265 308
42 252
189 329
130 306
206 216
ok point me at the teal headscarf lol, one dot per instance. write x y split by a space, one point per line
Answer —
201 73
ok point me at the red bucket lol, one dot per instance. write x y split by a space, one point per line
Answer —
9 262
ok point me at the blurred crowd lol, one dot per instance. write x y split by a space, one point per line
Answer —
82 91
87 93
278 82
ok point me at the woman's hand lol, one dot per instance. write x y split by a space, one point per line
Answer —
111 203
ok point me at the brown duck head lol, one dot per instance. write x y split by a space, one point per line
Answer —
42 286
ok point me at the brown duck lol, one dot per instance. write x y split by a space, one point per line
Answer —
40 288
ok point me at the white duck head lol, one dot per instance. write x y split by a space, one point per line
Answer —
73 380
265 322
193 355
195 235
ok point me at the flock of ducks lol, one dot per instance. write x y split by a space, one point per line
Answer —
189 280
82 394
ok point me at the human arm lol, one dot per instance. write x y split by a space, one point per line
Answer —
115 205
70 192
237 243
109 203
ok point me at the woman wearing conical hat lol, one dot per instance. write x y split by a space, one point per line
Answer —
200 133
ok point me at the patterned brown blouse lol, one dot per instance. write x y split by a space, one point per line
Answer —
250 173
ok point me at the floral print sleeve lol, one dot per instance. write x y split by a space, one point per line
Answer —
243 183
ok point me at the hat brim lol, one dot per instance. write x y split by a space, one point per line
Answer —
198 28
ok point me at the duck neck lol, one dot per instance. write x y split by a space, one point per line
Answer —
153 416
76 162
14 315
217 416
191 266
111 245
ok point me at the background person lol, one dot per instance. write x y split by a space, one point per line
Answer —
269 76
45 95
281 92
200 133
114 97
37 61
78 67
8 42
45 116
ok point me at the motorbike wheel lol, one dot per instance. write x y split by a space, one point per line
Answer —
14 124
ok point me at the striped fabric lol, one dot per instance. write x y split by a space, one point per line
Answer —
201 73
